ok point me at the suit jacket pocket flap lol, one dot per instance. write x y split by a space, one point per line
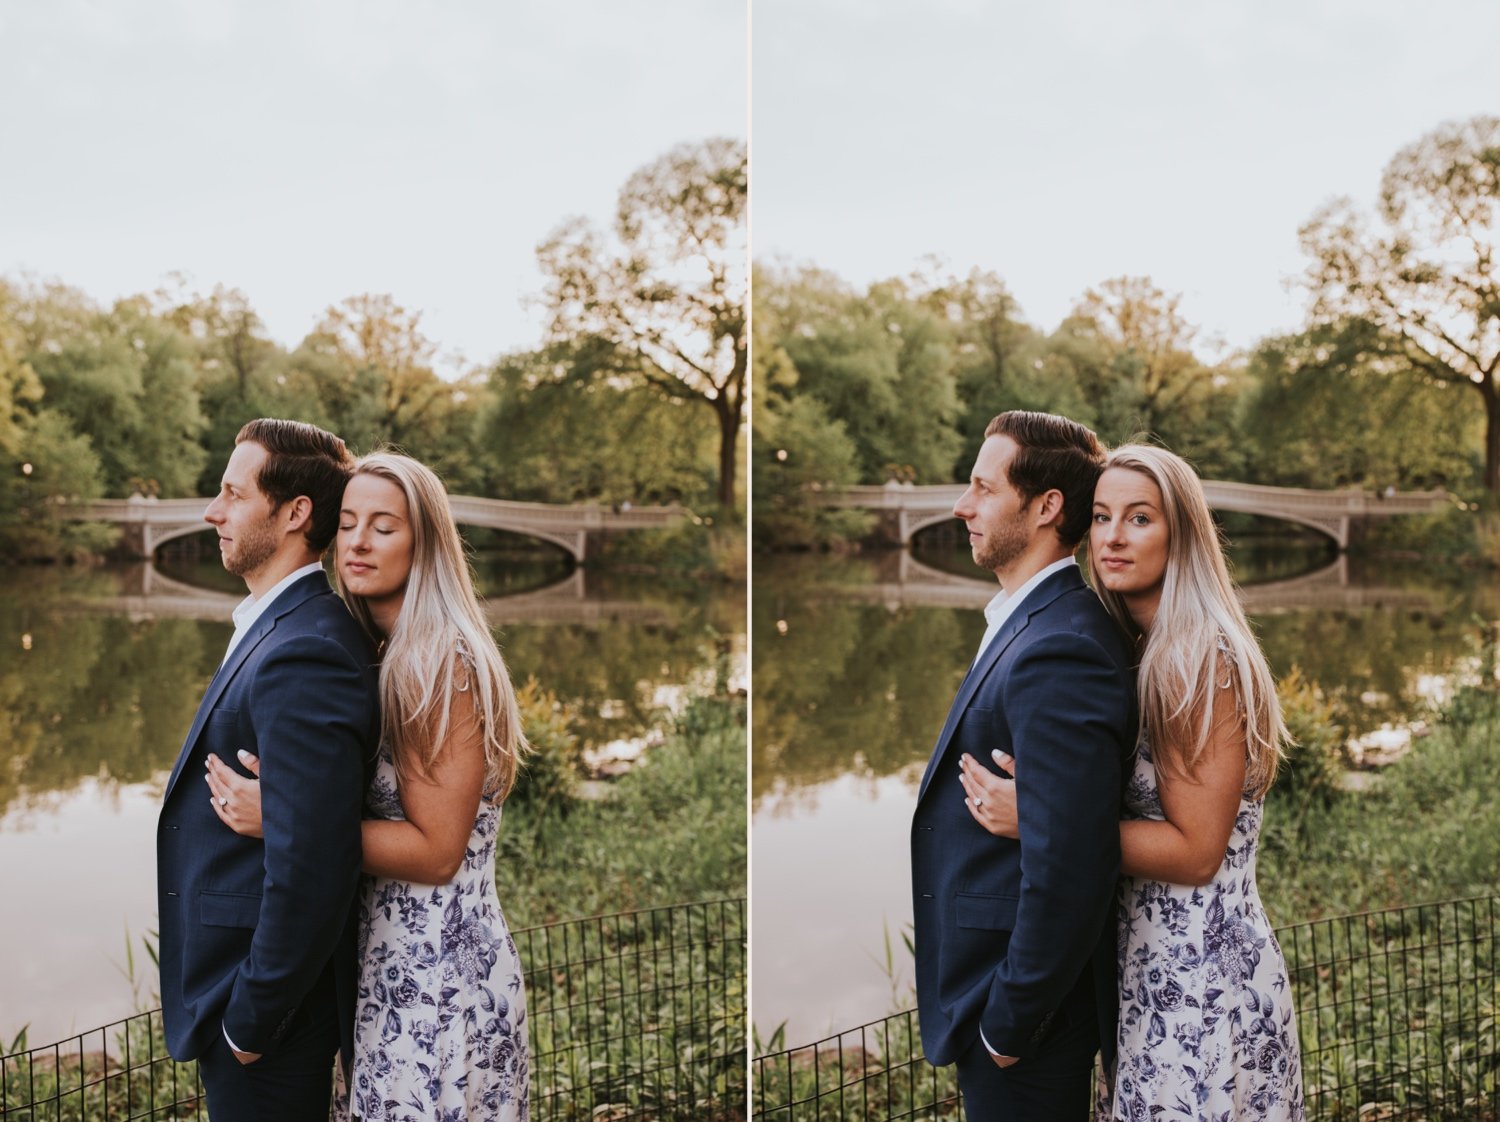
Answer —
228 909
994 912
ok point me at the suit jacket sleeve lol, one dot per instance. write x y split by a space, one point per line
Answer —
1068 706
310 710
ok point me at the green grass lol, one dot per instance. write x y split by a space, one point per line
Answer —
1428 829
670 831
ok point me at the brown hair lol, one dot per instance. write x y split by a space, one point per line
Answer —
303 460
1055 454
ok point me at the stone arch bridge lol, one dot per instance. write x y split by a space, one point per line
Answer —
908 509
150 523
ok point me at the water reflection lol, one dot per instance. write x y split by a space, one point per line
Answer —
855 663
101 671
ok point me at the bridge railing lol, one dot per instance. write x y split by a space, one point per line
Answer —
633 1016
465 507
1397 1013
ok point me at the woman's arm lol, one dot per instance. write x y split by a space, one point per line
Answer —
427 848
1189 846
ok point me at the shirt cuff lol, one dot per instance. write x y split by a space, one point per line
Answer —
982 1040
233 1047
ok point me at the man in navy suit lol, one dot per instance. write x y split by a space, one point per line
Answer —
1015 958
257 935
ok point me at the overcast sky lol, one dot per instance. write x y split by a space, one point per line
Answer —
305 151
1061 144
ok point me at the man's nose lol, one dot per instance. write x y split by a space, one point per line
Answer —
211 513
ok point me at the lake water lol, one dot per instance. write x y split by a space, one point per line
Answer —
101 671
855 662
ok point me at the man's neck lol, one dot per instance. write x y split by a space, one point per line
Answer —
1027 566
277 569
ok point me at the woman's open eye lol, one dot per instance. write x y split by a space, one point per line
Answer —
1100 516
1140 519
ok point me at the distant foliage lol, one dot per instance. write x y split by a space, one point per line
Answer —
145 396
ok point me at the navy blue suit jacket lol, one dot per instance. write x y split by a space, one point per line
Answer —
1004 929
247 926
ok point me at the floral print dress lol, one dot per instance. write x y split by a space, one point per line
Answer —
440 1029
1206 1025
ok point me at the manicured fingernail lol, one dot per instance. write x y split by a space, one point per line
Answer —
244 755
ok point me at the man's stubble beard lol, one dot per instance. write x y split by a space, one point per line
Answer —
252 549
998 550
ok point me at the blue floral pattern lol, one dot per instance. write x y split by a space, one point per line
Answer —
440 1034
1206 1030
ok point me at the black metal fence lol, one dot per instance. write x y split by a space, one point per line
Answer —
1397 1012
634 1016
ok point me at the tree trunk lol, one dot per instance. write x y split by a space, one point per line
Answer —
729 430
1491 395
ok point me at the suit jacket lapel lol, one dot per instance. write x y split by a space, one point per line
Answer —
291 598
1046 592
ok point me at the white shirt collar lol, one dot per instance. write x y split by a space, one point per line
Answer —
252 607
1004 604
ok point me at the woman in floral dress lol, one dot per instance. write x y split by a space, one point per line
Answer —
440 1031
1206 1028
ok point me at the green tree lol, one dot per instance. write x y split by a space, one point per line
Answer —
555 428
671 294
798 448
1328 409
1424 272
241 371
1152 383
1000 361
20 388
882 365
125 380
368 367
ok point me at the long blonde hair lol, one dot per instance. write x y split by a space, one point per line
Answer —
440 643
1199 627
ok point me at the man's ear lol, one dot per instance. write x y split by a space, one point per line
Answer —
297 515
1049 509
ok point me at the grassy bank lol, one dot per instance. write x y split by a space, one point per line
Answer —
670 831
1428 829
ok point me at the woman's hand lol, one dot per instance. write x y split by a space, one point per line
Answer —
236 799
991 798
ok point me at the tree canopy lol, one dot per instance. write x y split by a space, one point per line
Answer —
1422 270
669 291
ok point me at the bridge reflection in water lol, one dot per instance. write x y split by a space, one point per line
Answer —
148 593
906 510
917 585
